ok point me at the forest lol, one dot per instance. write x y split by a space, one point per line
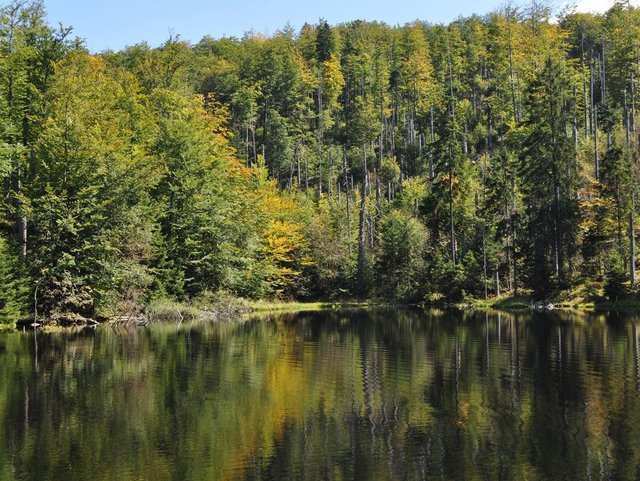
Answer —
423 163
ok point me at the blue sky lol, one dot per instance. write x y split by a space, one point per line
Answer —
117 23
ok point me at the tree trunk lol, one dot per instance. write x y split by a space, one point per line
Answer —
584 86
246 147
511 77
556 244
595 143
592 107
604 94
633 104
632 242
306 176
297 153
347 196
625 117
361 231
255 149
22 220
290 183
451 217
575 128
320 139
320 172
484 260
514 233
377 174
433 139
632 227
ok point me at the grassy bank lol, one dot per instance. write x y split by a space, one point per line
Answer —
505 302
630 302
293 306
226 307
582 297
212 307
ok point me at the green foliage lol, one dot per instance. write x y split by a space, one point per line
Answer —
14 286
446 280
400 257
169 310
615 286
549 185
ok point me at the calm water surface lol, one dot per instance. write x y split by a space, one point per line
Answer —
341 395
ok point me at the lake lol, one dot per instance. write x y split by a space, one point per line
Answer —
338 395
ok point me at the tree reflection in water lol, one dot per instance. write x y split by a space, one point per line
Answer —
379 394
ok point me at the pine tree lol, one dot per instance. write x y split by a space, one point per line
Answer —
549 180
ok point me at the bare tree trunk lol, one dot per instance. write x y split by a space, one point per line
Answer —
625 118
361 232
632 229
584 86
255 150
246 147
453 104
511 77
451 217
592 108
306 176
22 231
604 93
632 241
320 139
514 232
519 92
22 220
330 169
633 104
595 143
575 129
297 154
465 144
484 260
320 175
452 113
347 196
377 174
290 183
433 139
604 75
619 221
557 235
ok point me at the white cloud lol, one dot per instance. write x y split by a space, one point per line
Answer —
599 6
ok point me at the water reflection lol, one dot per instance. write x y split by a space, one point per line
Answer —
382 394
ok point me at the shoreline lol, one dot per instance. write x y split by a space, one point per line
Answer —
505 303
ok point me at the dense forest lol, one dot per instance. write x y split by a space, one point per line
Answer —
413 163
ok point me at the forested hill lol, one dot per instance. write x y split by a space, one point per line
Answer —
422 162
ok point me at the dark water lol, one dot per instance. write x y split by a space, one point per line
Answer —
337 396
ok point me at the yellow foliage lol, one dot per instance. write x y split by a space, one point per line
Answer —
446 176
286 251
333 78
